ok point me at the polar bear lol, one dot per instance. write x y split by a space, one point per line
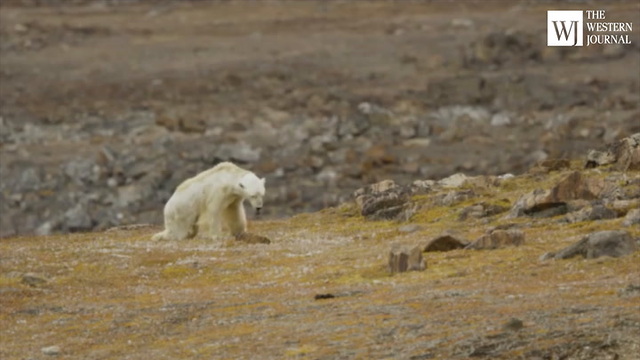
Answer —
213 199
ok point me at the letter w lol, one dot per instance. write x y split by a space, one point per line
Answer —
563 31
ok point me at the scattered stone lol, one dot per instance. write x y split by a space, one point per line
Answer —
627 153
51 350
632 218
77 218
422 186
253 238
33 280
445 243
481 210
614 243
402 259
630 290
497 239
324 296
372 190
599 158
547 256
409 228
456 196
500 119
591 213
513 325
386 206
453 181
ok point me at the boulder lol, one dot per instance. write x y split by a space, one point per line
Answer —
498 239
553 202
453 181
624 154
632 218
402 258
614 243
384 201
445 243
591 213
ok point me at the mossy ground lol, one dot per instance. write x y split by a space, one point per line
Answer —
118 295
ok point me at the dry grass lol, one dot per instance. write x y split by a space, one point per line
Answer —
118 295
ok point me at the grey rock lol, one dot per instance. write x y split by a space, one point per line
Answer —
599 158
352 126
498 239
386 206
453 181
624 153
33 280
51 350
481 210
82 171
632 218
591 213
454 197
513 325
614 243
77 218
402 259
500 119
553 202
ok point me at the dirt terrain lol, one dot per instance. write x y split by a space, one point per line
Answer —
106 106
324 292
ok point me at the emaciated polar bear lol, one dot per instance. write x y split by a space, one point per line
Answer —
203 204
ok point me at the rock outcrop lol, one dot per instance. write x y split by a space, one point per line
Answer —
603 243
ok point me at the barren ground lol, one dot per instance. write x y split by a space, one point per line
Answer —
106 108
76 80
117 295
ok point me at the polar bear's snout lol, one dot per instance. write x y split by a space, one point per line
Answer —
256 203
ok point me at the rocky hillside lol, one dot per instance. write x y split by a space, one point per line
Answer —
106 106
543 265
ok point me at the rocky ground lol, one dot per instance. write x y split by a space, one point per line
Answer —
544 265
106 106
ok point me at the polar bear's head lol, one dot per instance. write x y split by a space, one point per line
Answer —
251 188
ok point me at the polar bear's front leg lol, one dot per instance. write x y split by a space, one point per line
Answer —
235 218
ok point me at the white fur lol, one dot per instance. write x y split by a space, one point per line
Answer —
202 205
